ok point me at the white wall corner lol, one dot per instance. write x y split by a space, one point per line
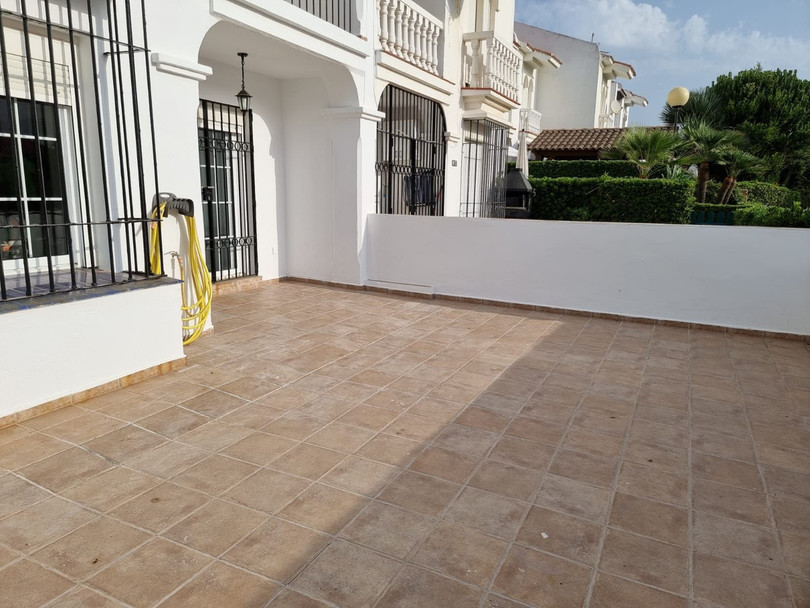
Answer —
181 67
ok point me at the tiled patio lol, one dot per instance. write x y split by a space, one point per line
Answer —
340 448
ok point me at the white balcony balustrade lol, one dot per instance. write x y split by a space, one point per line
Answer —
410 33
530 121
490 64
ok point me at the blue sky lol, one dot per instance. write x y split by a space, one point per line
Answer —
682 42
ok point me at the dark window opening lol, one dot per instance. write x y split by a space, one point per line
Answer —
410 154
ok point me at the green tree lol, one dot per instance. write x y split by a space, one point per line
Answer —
705 145
704 104
736 162
772 108
648 149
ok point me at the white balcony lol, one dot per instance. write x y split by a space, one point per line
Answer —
530 121
491 64
411 33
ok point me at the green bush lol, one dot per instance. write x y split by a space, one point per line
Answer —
755 192
608 199
712 192
765 193
582 168
758 214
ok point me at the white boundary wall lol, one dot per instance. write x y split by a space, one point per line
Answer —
61 349
741 277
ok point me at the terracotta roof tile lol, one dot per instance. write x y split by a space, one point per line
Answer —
577 139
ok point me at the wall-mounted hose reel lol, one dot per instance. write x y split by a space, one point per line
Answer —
199 290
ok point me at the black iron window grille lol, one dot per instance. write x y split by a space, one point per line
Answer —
229 203
410 154
483 169
77 146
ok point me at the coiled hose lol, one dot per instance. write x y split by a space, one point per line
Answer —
194 315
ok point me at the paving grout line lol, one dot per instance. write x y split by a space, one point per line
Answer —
690 514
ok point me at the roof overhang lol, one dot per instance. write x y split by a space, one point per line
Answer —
537 57
611 68
631 99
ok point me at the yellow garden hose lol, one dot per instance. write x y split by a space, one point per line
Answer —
194 315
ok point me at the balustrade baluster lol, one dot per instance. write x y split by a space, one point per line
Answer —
430 60
434 48
411 15
418 37
392 27
383 14
398 44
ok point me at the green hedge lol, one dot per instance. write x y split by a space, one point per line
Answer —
758 214
755 192
608 199
582 168
765 193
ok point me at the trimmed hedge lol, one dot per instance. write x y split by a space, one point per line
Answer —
582 168
608 199
758 214
755 192
765 193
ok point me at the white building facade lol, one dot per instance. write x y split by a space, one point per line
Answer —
585 92
357 107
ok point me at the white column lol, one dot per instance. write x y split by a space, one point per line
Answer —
354 152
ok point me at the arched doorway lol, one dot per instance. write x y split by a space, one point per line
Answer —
410 154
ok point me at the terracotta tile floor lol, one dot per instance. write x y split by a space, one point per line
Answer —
338 448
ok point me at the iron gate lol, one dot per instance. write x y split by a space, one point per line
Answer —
410 154
483 168
229 202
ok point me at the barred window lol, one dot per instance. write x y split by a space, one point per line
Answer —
77 151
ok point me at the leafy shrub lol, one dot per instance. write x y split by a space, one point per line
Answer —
582 168
755 192
712 192
765 193
758 214
608 199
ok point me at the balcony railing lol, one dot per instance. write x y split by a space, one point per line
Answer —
410 33
490 64
337 12
530 121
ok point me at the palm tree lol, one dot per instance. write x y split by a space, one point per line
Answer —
736 161
703 104
648 149
705 145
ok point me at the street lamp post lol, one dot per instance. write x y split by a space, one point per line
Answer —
677 99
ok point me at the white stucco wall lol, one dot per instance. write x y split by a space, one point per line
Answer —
567 96
64 349
743 277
